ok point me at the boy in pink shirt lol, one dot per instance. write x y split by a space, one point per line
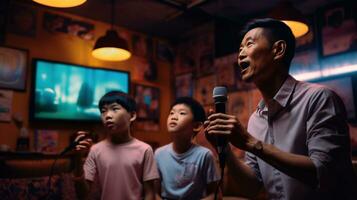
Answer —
123 166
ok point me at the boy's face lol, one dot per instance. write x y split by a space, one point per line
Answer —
180 121
115 118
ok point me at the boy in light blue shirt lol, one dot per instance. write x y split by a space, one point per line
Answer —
187 170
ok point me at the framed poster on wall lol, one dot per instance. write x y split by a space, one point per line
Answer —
13 68
338 28
148 107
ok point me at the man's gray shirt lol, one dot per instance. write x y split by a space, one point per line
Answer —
305 119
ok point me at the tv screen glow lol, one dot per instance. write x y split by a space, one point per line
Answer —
63 91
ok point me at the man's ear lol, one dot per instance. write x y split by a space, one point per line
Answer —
279 49
133 116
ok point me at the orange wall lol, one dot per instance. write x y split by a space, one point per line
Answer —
72 49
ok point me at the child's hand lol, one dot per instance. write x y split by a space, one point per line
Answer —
84 144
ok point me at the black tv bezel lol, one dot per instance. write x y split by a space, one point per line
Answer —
32 117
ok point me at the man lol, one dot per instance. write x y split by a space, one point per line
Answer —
297 142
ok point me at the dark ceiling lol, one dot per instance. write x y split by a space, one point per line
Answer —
172 18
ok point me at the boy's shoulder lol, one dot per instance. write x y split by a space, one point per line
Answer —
162 149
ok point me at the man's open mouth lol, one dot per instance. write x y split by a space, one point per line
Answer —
244 65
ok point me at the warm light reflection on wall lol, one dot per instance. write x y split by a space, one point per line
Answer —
325 73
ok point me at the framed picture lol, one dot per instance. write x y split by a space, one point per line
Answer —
204 89
338 28
6 105
164 51
56 23
22 20
13 68
225 70
139 45
239 105
144 69
184 85
148 107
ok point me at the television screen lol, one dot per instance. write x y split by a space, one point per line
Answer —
62 91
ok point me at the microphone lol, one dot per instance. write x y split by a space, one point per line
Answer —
220 100
73 144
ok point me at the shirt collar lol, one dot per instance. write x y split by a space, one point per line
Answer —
283 96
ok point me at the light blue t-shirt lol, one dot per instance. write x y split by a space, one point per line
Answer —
185 176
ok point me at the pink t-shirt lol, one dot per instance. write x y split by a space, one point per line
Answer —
121 169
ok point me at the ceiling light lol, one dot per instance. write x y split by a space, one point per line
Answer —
288 14
111 47
60 3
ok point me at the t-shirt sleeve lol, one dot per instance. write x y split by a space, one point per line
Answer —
211 169
90 167
150 171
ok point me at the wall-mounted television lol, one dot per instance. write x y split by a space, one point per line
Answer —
70 92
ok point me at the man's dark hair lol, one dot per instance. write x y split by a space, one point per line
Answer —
119 97
274 30
199 114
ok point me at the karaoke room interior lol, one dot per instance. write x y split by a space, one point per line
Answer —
58 60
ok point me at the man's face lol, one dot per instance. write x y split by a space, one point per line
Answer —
255 56
116 118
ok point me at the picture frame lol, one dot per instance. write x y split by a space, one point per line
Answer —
204 89
184 85
164 51
22 20
6 98
13 68
338 29
148 107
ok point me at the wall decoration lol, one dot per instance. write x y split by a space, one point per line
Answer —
205 48
226 71
164 51
22 20
186 61
13 67
148 112
184 85
5 105
46 141
204 89
139 45
338 28
144 69
239 105
57 23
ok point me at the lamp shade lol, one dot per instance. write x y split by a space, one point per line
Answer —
111 47
292 17
60 3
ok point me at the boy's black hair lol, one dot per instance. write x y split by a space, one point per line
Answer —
199 114
119 97
274 30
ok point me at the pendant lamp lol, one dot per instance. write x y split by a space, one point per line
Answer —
111 47
60 3
287 13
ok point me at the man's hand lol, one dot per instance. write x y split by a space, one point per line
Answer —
223 125
85 144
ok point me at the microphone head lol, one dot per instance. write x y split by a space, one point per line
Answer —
219 92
